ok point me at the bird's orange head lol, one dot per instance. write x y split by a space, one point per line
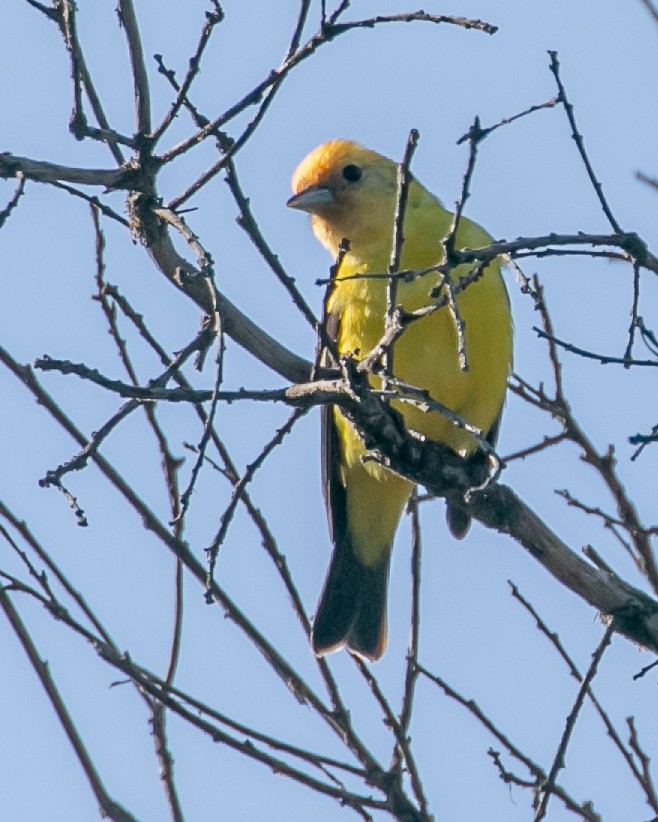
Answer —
350 192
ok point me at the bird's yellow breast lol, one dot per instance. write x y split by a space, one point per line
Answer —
426 355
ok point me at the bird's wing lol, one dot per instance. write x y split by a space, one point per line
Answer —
332 481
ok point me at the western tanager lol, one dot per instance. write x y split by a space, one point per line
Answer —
351 193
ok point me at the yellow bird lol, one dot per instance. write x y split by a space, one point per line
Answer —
351 193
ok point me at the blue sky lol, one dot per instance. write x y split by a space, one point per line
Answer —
372 86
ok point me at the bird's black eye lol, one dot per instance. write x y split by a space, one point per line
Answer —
352 173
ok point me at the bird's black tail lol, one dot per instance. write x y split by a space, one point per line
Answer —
352 608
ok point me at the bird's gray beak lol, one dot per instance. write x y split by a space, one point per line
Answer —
311 199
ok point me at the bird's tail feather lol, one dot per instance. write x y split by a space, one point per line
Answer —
352 607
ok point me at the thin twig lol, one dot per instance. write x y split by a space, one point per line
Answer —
76 463
250 225
109 806
578 139
65 17
634 315
485 131
207 427
93 201
604 359
11 205
304 8
547 442
212 550
403 183
402 745
584 809
610 728
647 778
163 754
475 136
546 788
213 18
411 672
